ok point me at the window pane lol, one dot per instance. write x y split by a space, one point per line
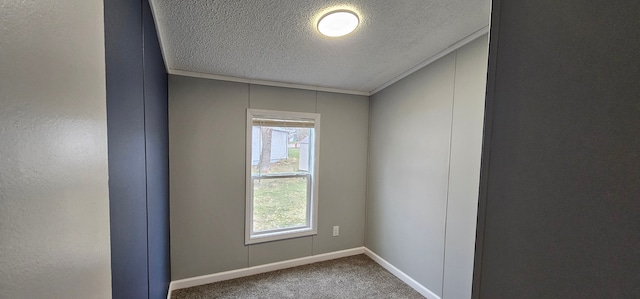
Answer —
281 169
280 150
279 203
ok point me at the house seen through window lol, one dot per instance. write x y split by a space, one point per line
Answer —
282 180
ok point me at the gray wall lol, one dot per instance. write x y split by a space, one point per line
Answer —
54 203
424 163
207 170
464 168
560 200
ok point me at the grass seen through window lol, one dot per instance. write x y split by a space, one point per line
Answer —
280 203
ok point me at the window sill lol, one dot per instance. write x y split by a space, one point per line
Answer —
280 235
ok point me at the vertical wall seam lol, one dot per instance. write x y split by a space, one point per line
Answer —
144 134
446 207
248 256
366 175
317 199
313 248
246 130
144 128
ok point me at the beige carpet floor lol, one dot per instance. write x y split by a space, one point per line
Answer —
350 277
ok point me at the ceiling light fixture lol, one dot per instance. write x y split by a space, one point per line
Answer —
338 23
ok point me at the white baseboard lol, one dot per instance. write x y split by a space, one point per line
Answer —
401 275
170 289
211 278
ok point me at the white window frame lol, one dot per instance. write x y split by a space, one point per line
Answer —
312 211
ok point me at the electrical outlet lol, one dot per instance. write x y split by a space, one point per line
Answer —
336 231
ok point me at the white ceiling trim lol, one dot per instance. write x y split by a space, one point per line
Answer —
456 46
267 83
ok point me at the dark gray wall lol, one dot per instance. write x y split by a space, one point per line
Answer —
157 150
559 213
138 152
125 127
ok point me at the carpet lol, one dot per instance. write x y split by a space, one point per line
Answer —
351 277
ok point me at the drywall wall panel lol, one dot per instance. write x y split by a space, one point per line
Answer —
464 176
561 170
206 155
408 171
127 157
207 166
343 167
157 159
54 200
281 99
271 252
138 152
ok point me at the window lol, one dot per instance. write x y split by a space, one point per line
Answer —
282 175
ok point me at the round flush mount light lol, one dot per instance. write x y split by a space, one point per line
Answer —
338 23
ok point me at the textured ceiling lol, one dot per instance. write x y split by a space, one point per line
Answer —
277 40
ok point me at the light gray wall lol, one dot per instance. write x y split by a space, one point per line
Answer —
464 171
409 162
54 203
207 167
206 175
424 157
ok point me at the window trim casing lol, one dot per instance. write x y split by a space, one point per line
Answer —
250 238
